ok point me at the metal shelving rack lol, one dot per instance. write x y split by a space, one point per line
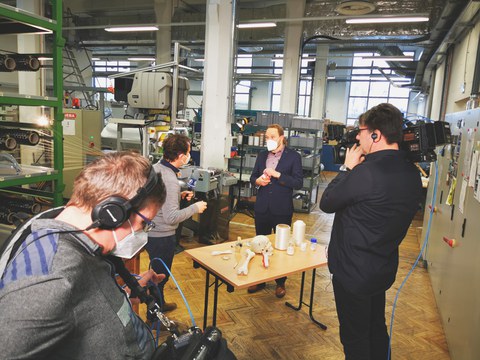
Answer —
19 21
311 165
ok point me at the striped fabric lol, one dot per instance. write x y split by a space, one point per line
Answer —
33 258
141 330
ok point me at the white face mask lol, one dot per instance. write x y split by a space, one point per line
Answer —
271 145
130 245
188 160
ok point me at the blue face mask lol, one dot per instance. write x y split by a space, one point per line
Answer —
130 245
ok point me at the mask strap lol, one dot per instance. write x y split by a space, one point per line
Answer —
115 236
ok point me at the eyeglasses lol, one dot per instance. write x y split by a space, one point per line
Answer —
360 129
148 225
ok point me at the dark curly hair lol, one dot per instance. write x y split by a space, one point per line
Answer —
175 145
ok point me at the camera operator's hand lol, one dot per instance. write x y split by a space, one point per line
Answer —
145 277
354 156
263 180
201 206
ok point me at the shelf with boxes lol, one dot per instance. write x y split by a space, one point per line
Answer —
306 136
31 155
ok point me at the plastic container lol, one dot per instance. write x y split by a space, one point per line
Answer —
313 244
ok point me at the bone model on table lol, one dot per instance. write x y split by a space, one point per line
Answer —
243 269
262 245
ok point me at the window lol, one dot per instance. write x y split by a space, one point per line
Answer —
242 88
369 87
304 92
103 68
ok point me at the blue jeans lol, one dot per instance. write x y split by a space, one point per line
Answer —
163 248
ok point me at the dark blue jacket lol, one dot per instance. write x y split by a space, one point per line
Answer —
276 197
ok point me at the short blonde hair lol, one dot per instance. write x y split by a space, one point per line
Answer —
115 174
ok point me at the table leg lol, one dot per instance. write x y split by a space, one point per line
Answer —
205 306
310 305
215 301
300 300
311 302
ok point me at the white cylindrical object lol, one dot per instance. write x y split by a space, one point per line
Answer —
250 140
298 232
256 140
282 236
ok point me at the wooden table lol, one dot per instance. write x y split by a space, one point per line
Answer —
281 264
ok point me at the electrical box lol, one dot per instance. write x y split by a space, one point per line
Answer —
81 144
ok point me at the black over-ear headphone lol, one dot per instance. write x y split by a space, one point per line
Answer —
374 136
112 212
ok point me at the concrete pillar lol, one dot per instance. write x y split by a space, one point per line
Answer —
319 95
291 61
163 13
217 109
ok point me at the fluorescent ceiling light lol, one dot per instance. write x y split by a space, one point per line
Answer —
131 28
256 25
95 58
199 60
388 58
141 59
381 20
45 58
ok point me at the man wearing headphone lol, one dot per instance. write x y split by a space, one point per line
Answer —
374 197
59 298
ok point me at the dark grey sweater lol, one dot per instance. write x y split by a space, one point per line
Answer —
59 300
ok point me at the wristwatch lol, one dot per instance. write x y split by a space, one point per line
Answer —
344 168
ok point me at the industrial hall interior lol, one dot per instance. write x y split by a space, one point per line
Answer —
240 179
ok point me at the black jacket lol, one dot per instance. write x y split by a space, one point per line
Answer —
374 205
276 197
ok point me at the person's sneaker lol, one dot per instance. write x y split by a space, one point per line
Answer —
254 288
280 291
169 307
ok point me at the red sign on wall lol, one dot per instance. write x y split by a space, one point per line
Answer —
70 115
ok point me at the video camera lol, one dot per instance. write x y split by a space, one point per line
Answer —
419 140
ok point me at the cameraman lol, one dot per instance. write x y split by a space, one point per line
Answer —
374 198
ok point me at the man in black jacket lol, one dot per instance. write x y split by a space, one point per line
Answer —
374 200
277 172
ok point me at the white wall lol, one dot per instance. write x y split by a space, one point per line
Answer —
337 92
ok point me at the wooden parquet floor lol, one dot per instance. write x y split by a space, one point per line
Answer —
260 326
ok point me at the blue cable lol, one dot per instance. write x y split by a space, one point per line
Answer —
427 235
178 287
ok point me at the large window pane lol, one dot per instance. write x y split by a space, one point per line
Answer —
356 106
359 88
379 88
375 101
401 104
399 92
277 87
242 101
275 103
